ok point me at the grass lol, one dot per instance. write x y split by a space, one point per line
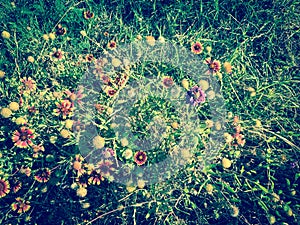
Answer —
258 38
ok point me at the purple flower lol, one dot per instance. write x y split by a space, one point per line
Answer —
195 96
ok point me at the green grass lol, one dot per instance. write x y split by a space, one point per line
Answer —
259 38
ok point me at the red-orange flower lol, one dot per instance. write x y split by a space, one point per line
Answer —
88 15
64 108
4 187
112 45
213 65
140 158
20 206
197 48
42 175
22 138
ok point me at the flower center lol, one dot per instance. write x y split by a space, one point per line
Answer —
23 137
197 47
212 66
57 55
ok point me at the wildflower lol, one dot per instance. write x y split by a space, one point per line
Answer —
234 211
226 163
52 36
88 15
64 108
141 184
4 187
42 175
30 59
209 188
252 94
214 66
124 142
75 95
5 34
22 138
127 154
56 55
6 112
209 123
26 171
15 185
211 94
218 125
150 40
98 142
38 148
105 167
29 85
208 49
227 67
140 158
197 48
14 106
95 178
89 58
83 33
108 152
85 205
196 96
69 124
204 85
106 34
116 62
161 39
2 74
168 82
46 37
65 133
20 206
81 192
112 45
130 188
110 91
185 83
139 37
61 30
272 219
175 125
109 110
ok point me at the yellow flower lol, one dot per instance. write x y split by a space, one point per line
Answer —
116 62
208 49
258 123
2 74
204 85
209 123
83 33
234 211
185 83
227 67
81 192
290 212
98 142
65 133
52 36
130 189
272 220
30 59
209 188
141 184
6 112
109 110
113 125
211 94
175 125
53 139
5 34
252 94
85 205
218 125
150 40
251 89
20 121
69 124
139 37
127 154
124 142
161 39
46 37
226 163
14 106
